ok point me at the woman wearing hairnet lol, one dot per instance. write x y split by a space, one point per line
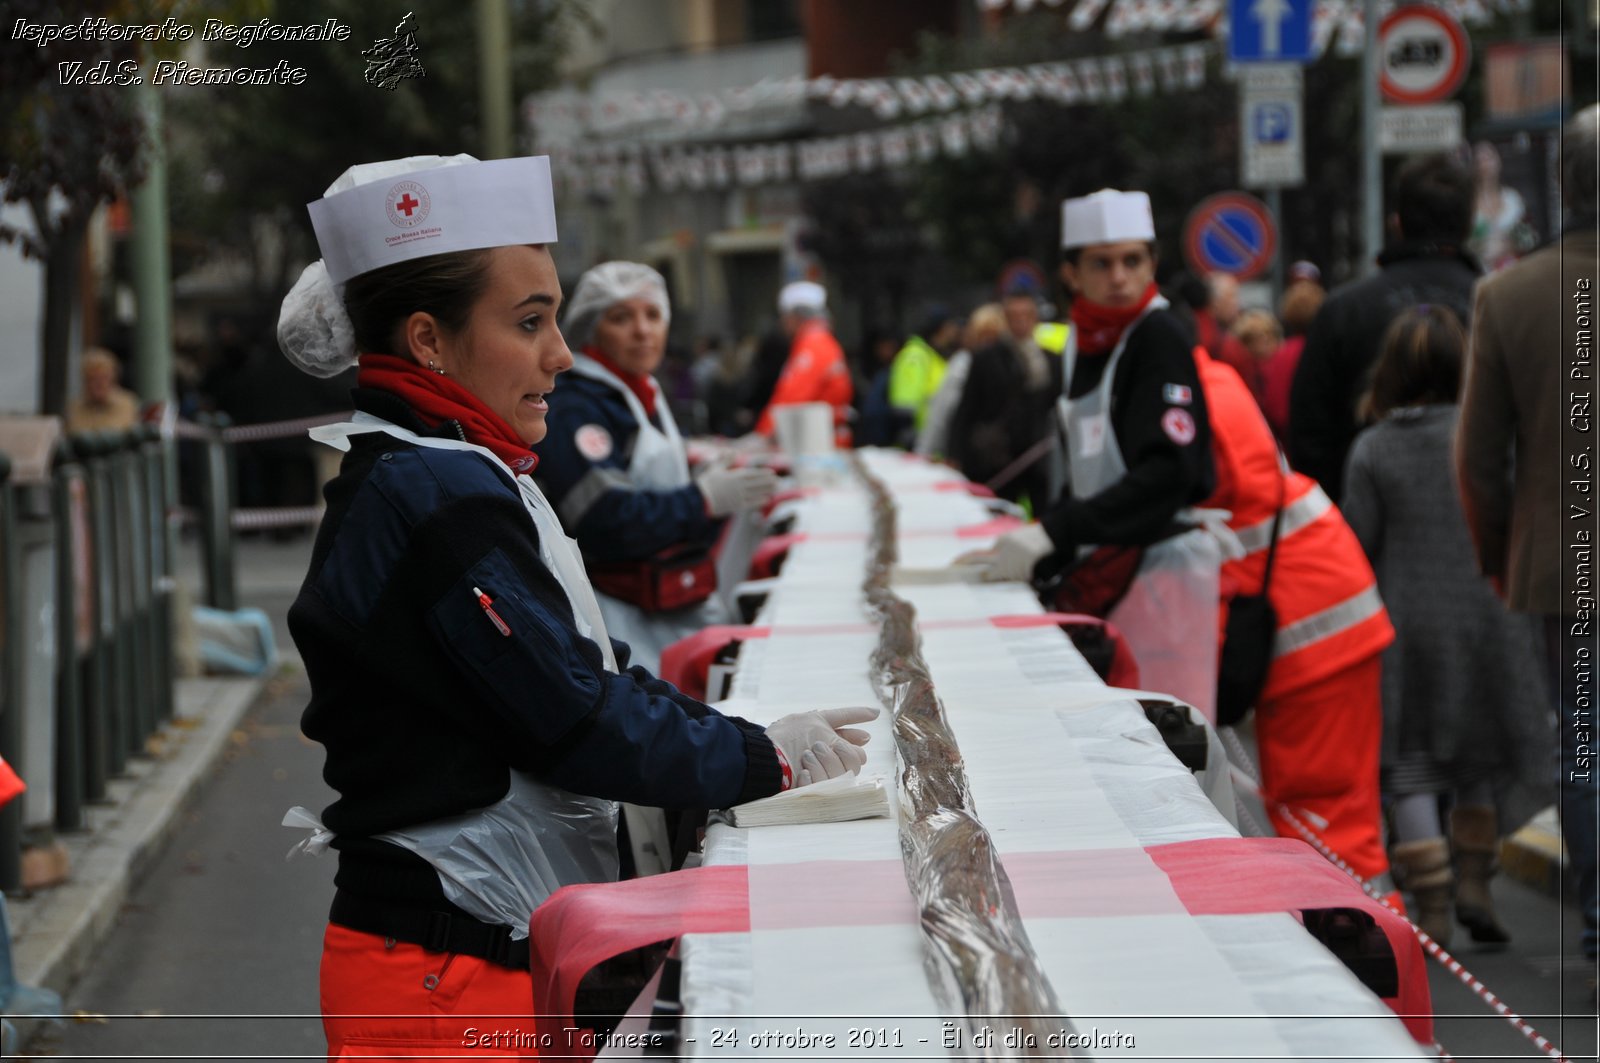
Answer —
479 724
614 467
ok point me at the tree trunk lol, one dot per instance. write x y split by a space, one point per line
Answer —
61 288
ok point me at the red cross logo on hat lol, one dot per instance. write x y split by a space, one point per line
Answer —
407 204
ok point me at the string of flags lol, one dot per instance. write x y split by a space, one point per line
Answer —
608 168
1336 22
1086 80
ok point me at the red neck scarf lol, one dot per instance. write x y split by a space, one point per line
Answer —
1099 327
638 383
435 399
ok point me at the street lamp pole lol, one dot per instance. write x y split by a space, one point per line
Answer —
1371 160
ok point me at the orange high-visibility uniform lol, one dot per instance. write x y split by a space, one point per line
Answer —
1319 717
815 372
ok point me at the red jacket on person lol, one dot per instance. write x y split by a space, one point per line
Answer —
815 372
1323 588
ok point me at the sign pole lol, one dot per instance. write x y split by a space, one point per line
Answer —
1371 160
1274 199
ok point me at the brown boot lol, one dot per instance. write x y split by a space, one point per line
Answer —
1423 868
1475 838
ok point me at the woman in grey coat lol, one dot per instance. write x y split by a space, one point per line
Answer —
1466 724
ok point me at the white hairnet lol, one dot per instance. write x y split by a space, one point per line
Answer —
604 286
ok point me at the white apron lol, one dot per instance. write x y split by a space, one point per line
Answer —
498 863
658 464
1169 615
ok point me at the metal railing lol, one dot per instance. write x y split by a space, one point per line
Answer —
86 560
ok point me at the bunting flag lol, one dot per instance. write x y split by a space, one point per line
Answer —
1338 22
1112 77
608 168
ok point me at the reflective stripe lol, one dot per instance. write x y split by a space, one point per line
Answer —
587 491
1330 621
1296 515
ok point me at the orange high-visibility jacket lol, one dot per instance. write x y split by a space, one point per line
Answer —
1323 588
815 372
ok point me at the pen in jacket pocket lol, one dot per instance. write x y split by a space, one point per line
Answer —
488 607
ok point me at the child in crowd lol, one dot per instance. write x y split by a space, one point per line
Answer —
1465 717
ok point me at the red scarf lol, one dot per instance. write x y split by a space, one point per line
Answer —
1099 327
638 383
436 398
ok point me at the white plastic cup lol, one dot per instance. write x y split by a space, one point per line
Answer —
804 429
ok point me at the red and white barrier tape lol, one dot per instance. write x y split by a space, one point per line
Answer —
1430 946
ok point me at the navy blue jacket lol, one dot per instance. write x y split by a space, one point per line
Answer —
425 708
599 506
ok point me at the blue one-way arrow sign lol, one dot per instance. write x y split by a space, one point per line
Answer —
1270 31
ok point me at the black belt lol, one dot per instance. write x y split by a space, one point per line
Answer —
435 931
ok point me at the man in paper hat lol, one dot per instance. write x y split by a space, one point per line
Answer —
1138 446
816 370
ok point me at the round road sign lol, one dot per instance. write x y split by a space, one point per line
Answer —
1423 54
1230 233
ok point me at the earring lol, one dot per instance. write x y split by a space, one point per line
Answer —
435 368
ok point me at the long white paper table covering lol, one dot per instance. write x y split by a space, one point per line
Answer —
1055 768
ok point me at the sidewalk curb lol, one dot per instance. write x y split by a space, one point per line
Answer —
56 932
1535 856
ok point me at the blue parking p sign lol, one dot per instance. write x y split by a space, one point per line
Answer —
1274 123
1270 31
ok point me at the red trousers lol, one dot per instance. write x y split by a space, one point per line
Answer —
1319 756
391 1001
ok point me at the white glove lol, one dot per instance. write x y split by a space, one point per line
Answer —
1013 555
731 490
817 747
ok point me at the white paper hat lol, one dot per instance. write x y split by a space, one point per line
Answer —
1106 217
382 213
802 295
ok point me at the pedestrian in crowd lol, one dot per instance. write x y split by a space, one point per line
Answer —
1296 309
1461 715
704 372
815 370
722 387
878 422
1261 337
477 719
104 405
278 471
1499 227
1214 324
985 325
1138 445
1318 717
675 375
1426 262
919 366
762 368
614 467
1006 411
1513 454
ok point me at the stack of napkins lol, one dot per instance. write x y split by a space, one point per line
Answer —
829 801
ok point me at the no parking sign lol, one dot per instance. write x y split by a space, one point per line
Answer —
1230 233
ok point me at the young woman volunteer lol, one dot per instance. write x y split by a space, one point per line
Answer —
478 721
614 468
